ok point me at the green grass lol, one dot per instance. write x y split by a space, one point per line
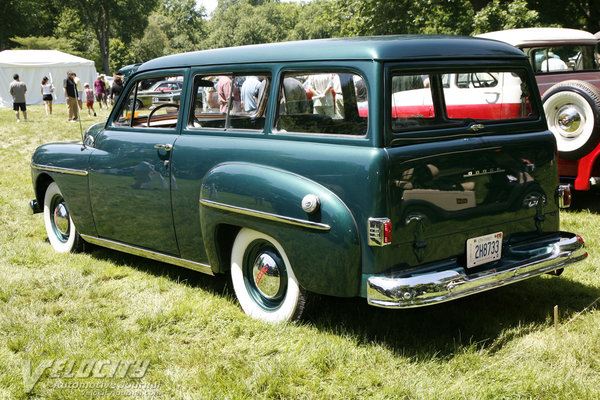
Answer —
104 305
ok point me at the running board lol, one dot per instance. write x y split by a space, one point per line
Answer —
138 251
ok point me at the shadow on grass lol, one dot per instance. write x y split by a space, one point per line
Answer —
488 320
586 200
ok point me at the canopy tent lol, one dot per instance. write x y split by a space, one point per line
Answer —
33 65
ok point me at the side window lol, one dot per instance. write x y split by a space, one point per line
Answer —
565 58
323 103
152 102
229 101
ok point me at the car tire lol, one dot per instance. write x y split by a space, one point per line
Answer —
263 279
62 234
573 113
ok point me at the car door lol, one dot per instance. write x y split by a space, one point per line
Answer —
130 171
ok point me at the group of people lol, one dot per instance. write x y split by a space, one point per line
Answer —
75 94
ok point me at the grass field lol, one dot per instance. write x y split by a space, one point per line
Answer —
104 309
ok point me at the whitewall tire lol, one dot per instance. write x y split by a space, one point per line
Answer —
62 234
572 111
263 279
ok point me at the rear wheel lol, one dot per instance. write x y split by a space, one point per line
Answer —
263 279
62 234
573 113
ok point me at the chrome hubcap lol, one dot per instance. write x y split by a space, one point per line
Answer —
61 218
568 120
267 275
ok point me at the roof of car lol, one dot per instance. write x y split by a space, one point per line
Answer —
527 37
400 47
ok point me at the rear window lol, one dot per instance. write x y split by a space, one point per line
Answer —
452 99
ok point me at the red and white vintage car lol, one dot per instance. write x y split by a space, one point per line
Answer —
566 65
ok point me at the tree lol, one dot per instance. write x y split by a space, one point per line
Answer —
44 43
121 54
312 22
240 22
152 44
127 16
497 16
577 14
24 18
182 23
381 17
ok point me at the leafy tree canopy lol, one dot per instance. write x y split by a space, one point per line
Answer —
114 33
497 16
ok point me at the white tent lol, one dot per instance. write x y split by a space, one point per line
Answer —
33 65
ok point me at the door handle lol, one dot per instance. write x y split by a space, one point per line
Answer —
166 147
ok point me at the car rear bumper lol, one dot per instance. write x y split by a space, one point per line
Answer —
519 262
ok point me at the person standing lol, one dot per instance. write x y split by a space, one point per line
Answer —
101 91
116 89
71 96
17 90
321 86
249 93
79 90
47 89
89 98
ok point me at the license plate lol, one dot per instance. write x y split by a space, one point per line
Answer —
483 249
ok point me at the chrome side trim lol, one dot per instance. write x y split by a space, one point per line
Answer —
438 287
138 251
271 217
60 170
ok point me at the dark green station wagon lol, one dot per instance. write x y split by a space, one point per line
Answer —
407 170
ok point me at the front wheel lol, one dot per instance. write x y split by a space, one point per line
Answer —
61 231
263 279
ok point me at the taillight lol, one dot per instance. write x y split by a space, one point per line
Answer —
564 196
380 231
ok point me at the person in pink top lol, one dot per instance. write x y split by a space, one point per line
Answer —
101 92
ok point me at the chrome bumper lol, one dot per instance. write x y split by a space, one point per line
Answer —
438 287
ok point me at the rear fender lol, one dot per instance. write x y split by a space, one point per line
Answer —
322 246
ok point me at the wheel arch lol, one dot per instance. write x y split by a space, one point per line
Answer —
323 247
42 182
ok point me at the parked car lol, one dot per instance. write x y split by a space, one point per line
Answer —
163 91
406 200
567 70
127 71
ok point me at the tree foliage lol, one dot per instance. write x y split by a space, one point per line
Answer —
381 17
127 17
176 26
114 33
242 22
44 43
498 15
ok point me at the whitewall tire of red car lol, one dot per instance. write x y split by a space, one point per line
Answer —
572 110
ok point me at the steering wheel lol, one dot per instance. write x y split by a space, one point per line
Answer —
158 108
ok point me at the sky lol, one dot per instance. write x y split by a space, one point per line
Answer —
210 5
